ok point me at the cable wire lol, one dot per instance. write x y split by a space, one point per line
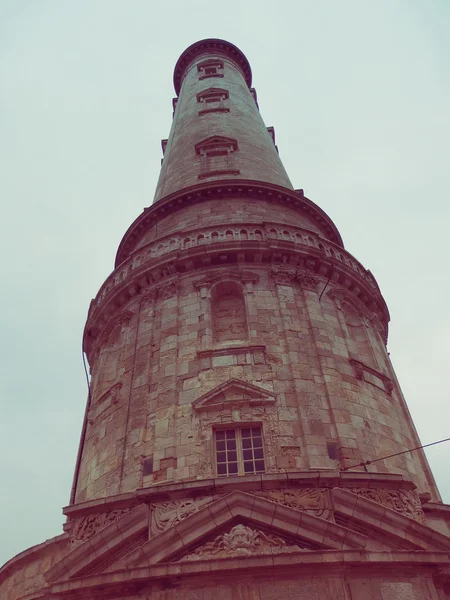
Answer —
87 376
369 462
326 285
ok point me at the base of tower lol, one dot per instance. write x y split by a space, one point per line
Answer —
327 535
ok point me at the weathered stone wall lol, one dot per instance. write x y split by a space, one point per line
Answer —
255 157
324 362
23 576
255 218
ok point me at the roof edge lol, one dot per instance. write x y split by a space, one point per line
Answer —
215 46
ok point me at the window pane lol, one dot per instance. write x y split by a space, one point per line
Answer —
248 466
245 432
258 453
257 442
256 431
231 444
248 455
232 456
259 465
222 469
220 445
232 468
220 435
247 443
221 457
231 434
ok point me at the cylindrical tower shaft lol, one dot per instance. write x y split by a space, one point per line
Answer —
217 131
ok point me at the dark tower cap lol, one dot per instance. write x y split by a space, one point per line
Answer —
212 46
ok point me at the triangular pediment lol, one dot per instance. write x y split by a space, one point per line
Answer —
379 522
213 91
232 393
242 525
107 546
245 525
216 141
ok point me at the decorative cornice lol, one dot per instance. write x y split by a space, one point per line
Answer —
227 275
287 275
267 481
210 46
310 263
207 191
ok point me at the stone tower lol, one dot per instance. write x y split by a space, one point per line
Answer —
240 391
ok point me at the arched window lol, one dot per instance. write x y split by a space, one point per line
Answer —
228 313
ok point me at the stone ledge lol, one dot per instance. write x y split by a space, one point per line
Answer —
267 481
227 350
301 561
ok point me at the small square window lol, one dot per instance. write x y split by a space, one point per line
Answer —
210 68
239 451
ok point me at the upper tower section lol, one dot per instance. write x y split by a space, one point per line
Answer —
217 131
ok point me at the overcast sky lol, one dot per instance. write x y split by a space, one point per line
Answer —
358 93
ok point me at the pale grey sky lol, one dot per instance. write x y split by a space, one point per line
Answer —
358 92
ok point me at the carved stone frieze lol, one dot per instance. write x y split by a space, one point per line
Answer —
86 527
241 541
405 502
167 290
167 514
311 500
287 275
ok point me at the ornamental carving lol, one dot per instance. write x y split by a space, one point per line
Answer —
168 290
310 500
88 526
167 514
285 274
242 541
405 502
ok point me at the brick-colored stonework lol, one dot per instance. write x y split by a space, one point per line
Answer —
239 375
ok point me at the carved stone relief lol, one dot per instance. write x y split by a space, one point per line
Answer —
405 502
167 514
242 541
86 527
286 274
311 500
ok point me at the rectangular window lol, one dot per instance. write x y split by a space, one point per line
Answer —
239 451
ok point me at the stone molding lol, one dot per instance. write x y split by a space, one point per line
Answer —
252 483
286 275
248 189
361 368
247 354
241 392
405 502
211 46
242 277
121 287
